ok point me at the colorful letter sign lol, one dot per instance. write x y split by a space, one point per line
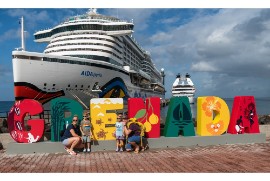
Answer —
103 122
179 118
59 121
244 117
213 116
148 114
16 121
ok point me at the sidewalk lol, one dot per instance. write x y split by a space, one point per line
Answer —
233 158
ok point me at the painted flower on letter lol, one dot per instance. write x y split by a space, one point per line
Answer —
215 128
211 104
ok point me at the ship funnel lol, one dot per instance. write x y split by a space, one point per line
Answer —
22 34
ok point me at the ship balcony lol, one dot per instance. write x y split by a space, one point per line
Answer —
119 32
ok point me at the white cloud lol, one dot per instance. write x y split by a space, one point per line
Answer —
31 16
170 20
161 37
203 67
10 34
232 42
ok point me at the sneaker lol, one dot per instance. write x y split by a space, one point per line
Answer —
117 149
121 149
88 150
84 150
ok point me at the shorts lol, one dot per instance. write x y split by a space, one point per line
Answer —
86 139
120 137
136 139
65 142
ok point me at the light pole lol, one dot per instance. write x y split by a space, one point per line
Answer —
163 76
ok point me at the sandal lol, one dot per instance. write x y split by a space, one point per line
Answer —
66 148
72 152
137 150
146 147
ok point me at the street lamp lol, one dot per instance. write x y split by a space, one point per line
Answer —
163 76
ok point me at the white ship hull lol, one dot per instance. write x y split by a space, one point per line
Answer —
44 80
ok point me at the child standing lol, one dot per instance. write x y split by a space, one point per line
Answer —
119 133
86 130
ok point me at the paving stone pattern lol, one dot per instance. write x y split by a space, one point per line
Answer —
235 158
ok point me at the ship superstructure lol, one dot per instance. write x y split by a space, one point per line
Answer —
183 86
90 55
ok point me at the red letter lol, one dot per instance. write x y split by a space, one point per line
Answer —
149 115
244 117
16 121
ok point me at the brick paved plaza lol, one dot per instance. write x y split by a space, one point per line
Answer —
198 159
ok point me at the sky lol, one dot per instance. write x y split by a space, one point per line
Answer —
225 50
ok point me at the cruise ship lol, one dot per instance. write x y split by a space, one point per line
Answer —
87 56
183 86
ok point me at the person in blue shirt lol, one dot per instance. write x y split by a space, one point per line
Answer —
71 137
119 133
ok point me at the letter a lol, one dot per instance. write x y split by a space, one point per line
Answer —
244 117
179 118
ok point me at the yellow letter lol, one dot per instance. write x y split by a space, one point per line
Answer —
103 122
213 116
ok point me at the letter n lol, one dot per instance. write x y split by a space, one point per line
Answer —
179 118
62 112
244 109
148 114
213 116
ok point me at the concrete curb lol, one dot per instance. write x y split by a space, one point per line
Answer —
162 142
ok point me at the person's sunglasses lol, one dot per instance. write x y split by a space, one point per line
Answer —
75 119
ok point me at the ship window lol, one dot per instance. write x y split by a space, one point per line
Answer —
53 85
76 86
68 85
45 84
81 86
